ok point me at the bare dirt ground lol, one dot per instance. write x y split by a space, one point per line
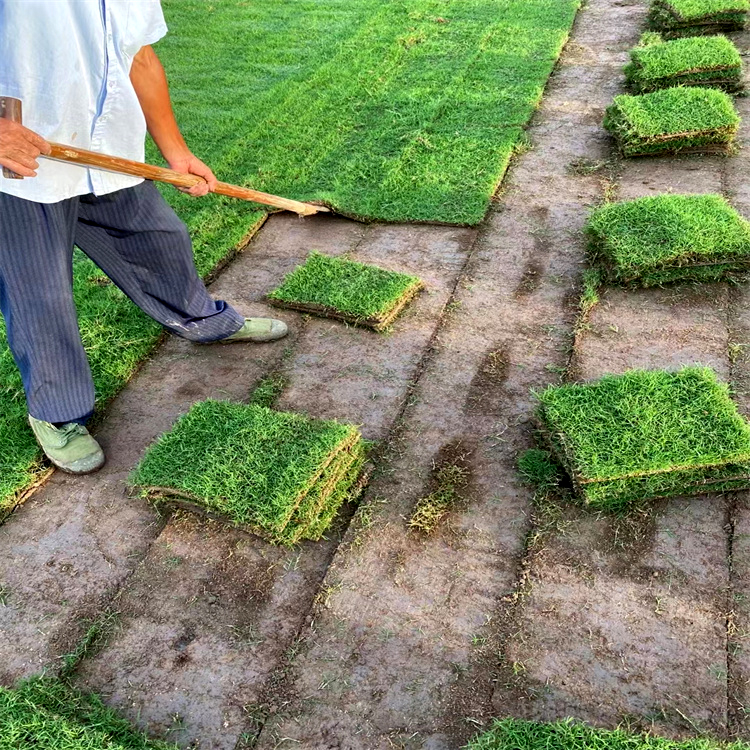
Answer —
379 636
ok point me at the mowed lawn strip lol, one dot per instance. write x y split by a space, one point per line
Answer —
647 434
344 289
385 110
690 17
46 714
663 238
517 734
271 472
693 61
673 120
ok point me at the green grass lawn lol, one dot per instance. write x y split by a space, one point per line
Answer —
384 109
672 120
690 17
693 61
516 734
46 714
658 239
277 474
341 288
647 434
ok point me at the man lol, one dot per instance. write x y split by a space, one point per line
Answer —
87 76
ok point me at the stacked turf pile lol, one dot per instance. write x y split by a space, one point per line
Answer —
516 734
692 17
283 476
343 289
647 434
694 61
656 240
45 714
673 120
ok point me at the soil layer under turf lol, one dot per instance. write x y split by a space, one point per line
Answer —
281 475
516 734
347 290
655 240
384 110
647 434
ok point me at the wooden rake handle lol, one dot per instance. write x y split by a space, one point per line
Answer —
160 174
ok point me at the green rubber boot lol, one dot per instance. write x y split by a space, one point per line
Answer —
259 330
69 447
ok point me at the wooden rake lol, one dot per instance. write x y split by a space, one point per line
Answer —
10 108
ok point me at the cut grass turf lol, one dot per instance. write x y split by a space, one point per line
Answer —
346 290
673 120
517 734
695 61
46 714
647 434
390 110
656 240
692 17
274 473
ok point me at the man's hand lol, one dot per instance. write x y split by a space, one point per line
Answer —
191 164
19 148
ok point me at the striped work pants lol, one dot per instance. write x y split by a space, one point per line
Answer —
138 241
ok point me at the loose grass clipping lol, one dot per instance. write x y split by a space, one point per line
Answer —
695 61
346 290
280 475
513 734
646 435
665 238
47 714
676 120
693 17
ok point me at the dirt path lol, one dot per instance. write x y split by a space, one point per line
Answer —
380 637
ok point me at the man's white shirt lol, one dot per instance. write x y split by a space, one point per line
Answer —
68 61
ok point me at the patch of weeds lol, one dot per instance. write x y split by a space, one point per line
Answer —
584 167
283 476
512 734
346 290
693 61
449 482
95 638
659 239
673 120
46 713
692 17
267 392
538 468
4 596
647 434
591 284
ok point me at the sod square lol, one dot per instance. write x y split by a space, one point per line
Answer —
694 61
519 734
276 474
692 17
346 290
659 239
694 120
647 434
47 714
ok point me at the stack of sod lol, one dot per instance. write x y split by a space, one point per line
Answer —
343 289
694 61
282 476
45 714
673 120
656 240
517 734
647 434
692 17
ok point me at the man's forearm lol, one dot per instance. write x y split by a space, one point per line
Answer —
150 83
